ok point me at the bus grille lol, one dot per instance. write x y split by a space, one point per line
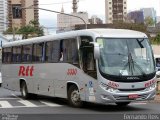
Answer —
141 97
130 90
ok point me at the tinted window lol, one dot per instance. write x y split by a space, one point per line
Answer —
16 54
7 55
27 53
38 53
52 51
69 51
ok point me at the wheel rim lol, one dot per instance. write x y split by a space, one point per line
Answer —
75 97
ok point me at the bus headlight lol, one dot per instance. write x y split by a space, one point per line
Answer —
151 87
108 88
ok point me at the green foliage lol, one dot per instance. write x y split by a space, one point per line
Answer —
156 40
10 30
30 30
149 21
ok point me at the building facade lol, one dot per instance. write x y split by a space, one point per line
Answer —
115 11
136 16
20 17
95 20
149 12
3 16
66 22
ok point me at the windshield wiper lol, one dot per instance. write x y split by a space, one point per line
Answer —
131 64
140 42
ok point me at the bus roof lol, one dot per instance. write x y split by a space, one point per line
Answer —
110 33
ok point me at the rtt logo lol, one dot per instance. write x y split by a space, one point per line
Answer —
26 71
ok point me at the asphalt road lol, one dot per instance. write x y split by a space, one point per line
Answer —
14 107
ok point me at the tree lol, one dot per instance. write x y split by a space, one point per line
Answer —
156 40
31 29
26 31
149 21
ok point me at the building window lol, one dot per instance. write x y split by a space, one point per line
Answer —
110 2
16 11
110 8
125 8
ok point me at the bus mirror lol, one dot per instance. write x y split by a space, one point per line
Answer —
158 74
96 50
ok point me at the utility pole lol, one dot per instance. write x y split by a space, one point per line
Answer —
75 7
31 7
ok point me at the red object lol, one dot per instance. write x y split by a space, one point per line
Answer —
72 72
113 84
26 71
149 83
133 96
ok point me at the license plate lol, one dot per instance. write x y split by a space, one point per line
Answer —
133 96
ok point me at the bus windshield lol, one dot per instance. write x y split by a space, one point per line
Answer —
125 57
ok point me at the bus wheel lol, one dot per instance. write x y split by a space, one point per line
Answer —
24 91
74 97
122 104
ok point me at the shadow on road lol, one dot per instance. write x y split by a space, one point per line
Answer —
93 107
113 108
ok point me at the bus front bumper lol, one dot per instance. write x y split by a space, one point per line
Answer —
107 97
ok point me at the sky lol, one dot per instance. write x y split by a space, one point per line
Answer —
93 7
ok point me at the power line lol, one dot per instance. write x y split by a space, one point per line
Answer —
61 2
56 3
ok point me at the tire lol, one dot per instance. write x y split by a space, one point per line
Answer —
74 97
24 91
122 104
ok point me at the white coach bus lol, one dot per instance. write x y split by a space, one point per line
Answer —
95 65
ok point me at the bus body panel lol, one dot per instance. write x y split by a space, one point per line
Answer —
52 83
51 79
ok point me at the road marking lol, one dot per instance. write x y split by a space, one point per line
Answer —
50 104
23 106
27 103
138 103
5 104
16 96
8 98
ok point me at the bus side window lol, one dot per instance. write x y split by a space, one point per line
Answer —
69 51
38 52
16 58
27 53
87 57
7 55
52 51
